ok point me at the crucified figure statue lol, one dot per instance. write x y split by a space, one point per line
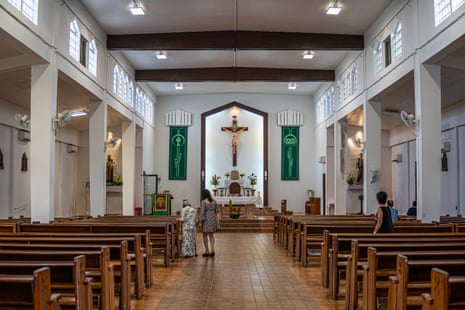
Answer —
235 130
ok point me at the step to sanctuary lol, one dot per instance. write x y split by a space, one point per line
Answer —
256 225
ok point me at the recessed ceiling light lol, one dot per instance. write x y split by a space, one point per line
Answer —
308 55
292 85
161 55
334 9
178 86
137 8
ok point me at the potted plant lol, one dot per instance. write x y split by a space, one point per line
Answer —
252 180
350 178
227 174
215 181
234 213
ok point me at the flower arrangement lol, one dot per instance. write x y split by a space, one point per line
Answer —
215 181
252 179
350 178
234 213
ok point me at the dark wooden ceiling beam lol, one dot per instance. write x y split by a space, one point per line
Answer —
234 74
232 40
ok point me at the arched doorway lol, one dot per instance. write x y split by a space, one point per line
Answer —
263 174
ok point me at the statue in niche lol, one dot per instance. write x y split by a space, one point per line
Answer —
1 161
24 162
110 169
360 168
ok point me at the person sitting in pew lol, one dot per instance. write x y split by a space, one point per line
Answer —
413 209
394 212
383 215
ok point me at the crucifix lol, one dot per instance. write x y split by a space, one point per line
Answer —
235 130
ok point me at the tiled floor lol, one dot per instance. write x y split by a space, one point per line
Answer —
249 271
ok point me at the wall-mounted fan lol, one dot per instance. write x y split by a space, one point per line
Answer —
23 120
63 118
407 119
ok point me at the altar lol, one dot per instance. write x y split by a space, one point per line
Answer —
248 204
240 200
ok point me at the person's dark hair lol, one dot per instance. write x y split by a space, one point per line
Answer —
381 197
414 204
390 203
206 195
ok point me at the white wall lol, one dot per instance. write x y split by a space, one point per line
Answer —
294 191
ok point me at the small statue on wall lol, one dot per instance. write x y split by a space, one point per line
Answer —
24 163
110 169
1 160
360 168
444 162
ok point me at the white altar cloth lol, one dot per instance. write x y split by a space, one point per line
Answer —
240 200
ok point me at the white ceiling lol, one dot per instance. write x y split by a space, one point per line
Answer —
306 16
240 15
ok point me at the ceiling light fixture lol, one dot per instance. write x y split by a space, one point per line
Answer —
334 9
178 86
308 55
161 55
137 8
292 85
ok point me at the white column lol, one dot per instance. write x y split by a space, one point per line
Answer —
428 112
372 155
44 83
129 166
340 187
97 161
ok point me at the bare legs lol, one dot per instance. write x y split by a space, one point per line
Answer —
206 237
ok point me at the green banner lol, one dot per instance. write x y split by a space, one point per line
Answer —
290 153
178 153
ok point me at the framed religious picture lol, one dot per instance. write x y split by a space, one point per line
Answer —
161 204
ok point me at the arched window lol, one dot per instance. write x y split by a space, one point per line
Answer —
29 8
74 39
397 40
116 80
354 80
93 52
378 55
456 4
149 110
129 93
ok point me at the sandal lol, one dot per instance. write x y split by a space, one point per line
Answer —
205 254
212 254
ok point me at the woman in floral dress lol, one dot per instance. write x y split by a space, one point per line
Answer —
208 221
189 221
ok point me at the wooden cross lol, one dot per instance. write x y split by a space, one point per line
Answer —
235 130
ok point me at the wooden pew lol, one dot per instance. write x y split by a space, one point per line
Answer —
97 264
133 253
341 247
8 227
33 291
446 291
381 265
67 275
413 277
146 246
161 235
100 262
